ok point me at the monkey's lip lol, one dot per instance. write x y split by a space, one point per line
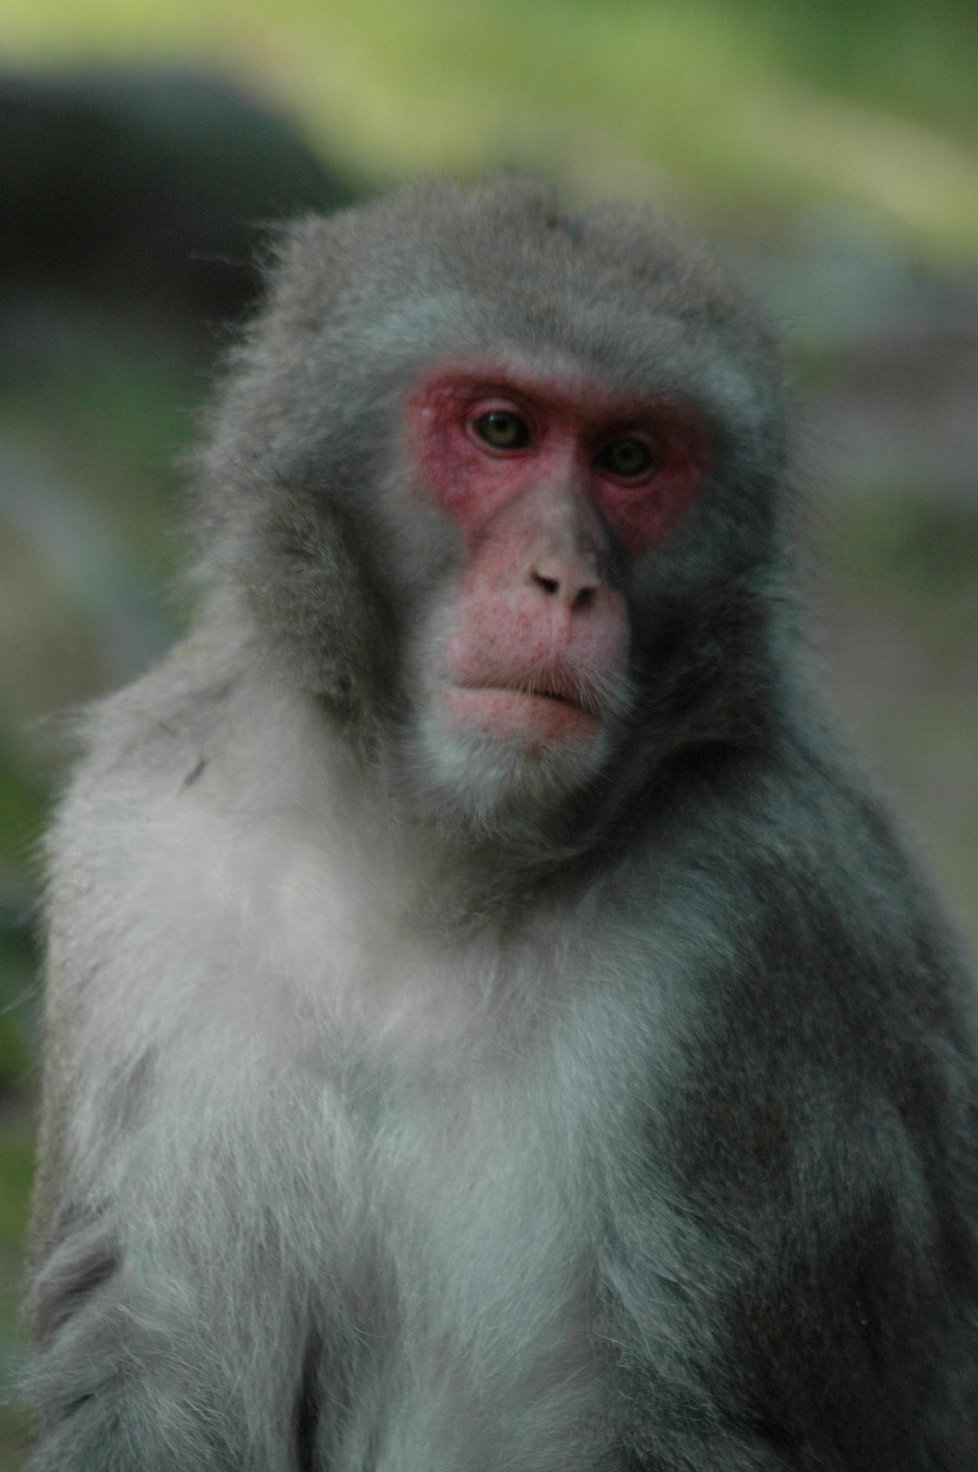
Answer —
538 715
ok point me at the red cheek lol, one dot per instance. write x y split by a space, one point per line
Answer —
643 516
643 519
468 483
466 492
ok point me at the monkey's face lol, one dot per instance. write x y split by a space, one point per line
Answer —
552 488
505 488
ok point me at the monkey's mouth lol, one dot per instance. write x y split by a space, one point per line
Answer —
535 713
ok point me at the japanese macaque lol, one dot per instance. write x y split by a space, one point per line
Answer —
492 1025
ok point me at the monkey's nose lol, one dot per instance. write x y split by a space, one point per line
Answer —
574 587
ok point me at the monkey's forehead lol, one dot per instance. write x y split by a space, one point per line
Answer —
507 253
366 301
593 349
583 344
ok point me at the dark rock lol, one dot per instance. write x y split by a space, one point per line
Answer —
147 187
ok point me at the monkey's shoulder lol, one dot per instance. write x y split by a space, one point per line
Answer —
201 719
157 729
214 822
169 758
807 878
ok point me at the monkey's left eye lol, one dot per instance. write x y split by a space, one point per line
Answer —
627 458
502 429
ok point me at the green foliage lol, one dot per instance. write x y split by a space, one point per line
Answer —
16 1167
910 542
767 105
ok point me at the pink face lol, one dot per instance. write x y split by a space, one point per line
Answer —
551 484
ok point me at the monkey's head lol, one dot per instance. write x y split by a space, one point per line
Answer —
503 485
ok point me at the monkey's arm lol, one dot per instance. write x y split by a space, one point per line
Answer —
140 1364
817 1255
169 1335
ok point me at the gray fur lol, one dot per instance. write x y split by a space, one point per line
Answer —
390 1128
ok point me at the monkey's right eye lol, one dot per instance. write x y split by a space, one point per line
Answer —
501 429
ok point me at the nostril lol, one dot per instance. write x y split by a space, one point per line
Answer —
549 585
578 592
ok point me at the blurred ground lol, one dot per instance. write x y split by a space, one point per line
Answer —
837 168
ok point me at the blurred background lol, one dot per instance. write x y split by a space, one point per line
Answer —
830 151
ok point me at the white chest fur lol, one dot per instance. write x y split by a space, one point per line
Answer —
403 1117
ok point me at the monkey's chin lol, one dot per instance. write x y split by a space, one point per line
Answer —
502 760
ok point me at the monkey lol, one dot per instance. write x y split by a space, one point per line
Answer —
493 1023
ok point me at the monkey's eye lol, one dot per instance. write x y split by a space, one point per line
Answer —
627 458
502 429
